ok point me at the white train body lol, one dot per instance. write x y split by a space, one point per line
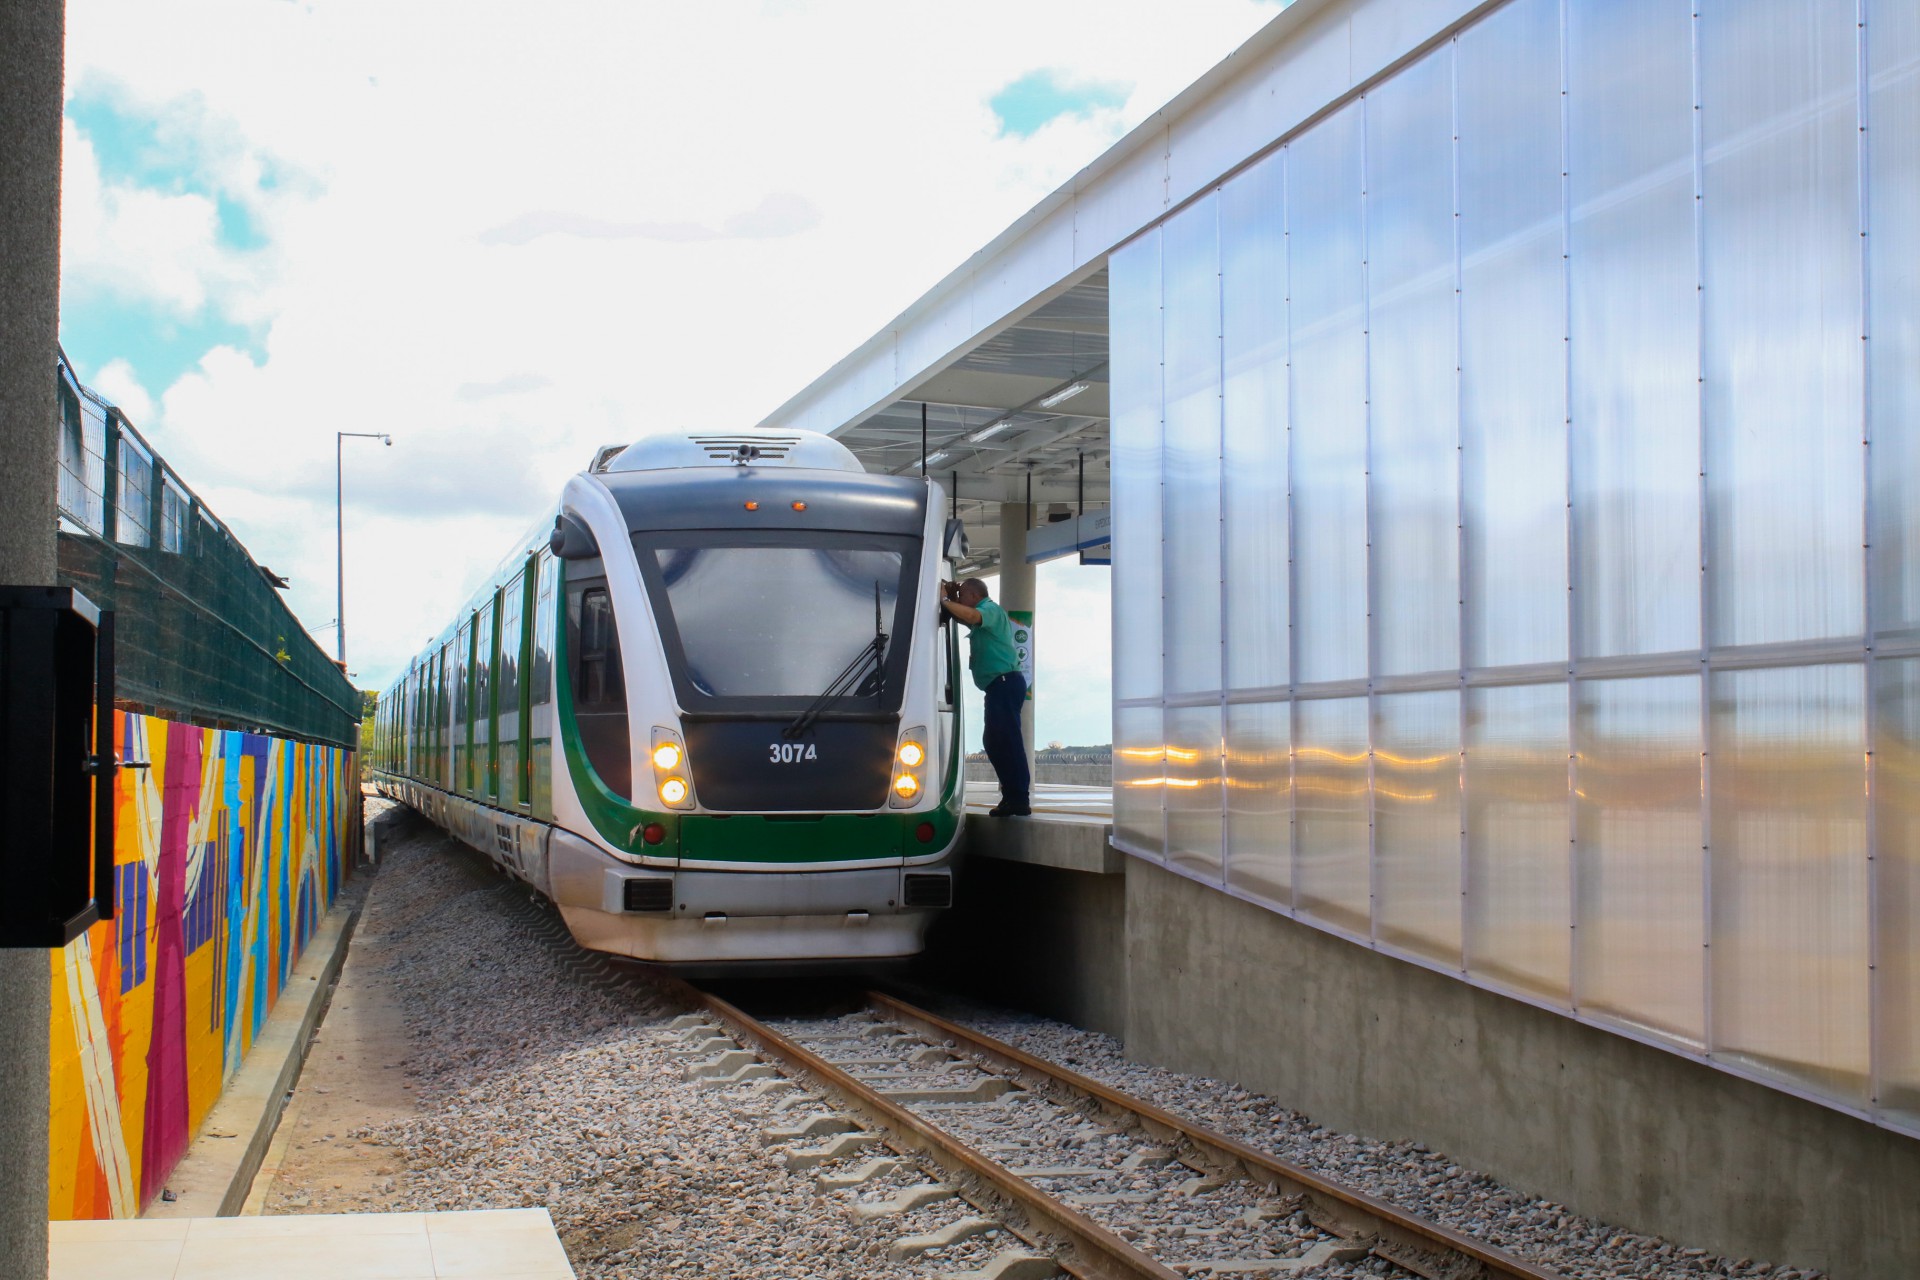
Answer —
637 720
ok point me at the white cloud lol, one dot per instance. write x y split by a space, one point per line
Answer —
121 386
815 167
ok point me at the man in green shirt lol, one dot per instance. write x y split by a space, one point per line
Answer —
996 671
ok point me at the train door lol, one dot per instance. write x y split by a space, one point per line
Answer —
539 697
463 709
594 676
509 724
950 728
442 715
486 654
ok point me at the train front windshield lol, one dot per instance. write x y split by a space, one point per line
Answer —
753 622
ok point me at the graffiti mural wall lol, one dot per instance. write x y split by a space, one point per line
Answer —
229 848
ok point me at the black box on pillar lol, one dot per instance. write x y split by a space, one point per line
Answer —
57 766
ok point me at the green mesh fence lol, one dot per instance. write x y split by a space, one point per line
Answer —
200 634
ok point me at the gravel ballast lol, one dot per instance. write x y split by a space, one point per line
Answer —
536 1081
1408 1175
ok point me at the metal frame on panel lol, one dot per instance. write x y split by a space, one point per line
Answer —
1366 519
1863 164
1572 526
1293 552
1465 620
1705 670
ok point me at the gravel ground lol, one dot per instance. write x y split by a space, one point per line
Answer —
533 1083
1409 1175
536 1086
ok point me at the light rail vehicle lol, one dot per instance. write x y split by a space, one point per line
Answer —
714 716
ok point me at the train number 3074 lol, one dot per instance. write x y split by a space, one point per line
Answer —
790 752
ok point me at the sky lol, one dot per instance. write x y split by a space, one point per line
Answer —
506 234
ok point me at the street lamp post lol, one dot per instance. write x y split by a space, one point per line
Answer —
340 538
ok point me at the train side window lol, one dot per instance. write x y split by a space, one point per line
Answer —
511 605
593 672
542 673
599 649
463 650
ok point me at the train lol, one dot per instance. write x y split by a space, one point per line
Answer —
715 714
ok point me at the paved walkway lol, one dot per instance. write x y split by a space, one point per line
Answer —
492 1244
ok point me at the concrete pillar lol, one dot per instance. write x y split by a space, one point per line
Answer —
1016 583
32 49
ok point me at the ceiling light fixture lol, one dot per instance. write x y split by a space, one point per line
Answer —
1063 395
991 430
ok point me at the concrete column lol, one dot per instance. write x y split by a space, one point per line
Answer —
32 49
1016 583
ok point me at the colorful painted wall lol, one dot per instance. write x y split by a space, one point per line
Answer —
229 848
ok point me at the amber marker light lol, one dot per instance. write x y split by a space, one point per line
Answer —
911 754
905 785
799 506
753 506
673 790
666 756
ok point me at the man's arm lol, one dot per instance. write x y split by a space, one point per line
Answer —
966 613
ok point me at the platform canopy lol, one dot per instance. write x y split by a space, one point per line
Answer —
1019 416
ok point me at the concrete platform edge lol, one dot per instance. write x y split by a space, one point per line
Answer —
1047 841
251 1104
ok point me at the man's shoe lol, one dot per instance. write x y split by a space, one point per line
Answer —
1005 810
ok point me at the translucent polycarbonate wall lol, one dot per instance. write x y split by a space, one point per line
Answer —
1518 568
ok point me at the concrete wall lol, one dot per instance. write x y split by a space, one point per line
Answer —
229 847
1047 920
1360 1041
32 48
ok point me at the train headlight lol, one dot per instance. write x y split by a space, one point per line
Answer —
910 768
670 769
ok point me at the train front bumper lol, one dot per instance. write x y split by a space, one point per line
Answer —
689 915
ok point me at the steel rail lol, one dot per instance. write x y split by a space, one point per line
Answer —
1095 1252
1422 1246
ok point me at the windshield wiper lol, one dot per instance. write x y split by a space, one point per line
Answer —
874 652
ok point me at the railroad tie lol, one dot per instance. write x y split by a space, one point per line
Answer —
706 1047
810 1127
1325 1251
908 1247
985 1089
833 1149
932 1054
859 1176
910 1198
751 1071
721 1064
1147 1158
1200 1184
688 1021
1011 1264
767 1088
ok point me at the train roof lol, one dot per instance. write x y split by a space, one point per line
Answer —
754 446
768 497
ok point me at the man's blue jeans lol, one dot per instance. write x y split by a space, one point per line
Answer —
1006 745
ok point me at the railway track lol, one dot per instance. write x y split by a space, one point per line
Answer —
1093 1182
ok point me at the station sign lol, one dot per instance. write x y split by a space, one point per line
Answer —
1089 534
1022 620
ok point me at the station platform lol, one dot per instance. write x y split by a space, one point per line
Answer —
1071 829
489 1244
1051 800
